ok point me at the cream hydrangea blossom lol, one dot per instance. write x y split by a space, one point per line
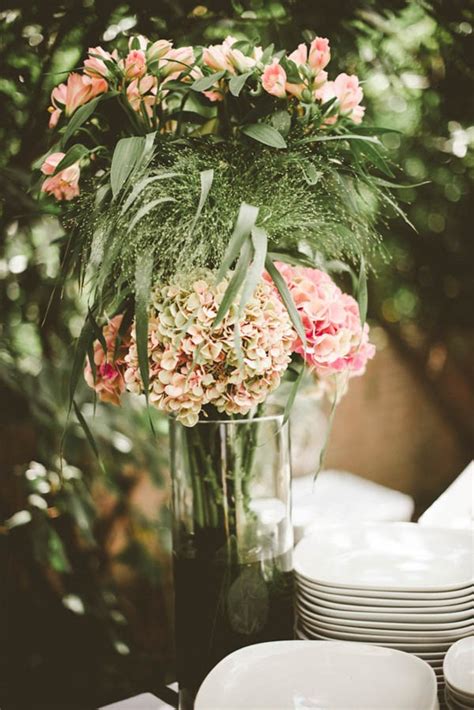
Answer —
193 364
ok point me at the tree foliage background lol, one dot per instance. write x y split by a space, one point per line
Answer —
86 554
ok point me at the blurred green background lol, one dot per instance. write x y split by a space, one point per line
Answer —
86 584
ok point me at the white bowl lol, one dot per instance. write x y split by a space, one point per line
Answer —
459 666
281 675
387 556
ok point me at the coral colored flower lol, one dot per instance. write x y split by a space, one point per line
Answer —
349 95
51 163
135 64
192 363
274 79
177 60
319 54
335 340
158 49
142 92
94 65
78 90
109 366
65 184
142 42
300 55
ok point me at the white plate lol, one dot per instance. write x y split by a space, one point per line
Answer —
282 675
460 697
387 556
409 606
385 596
415 648
459 666
455 628
453 703
342 611
386 637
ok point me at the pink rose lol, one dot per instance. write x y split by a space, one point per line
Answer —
319 53
65 184
274 80
109 382
135 64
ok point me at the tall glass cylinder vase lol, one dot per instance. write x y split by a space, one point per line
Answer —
232 541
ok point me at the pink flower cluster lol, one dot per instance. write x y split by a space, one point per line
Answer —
64 185
314 84
109 380
193 363
336 342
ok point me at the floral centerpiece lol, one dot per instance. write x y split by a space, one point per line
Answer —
209 193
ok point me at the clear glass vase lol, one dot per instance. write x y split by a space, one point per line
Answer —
232 541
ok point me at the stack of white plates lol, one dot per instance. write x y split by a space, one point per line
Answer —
282 675
397 585
458 670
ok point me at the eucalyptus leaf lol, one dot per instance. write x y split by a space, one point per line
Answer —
237 83
254 274
362 295
206 82
245 222
287 299
126 155
265 134
80 116
146 209
143 274
73 155
206 177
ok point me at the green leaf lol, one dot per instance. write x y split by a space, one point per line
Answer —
245 222
79 117
398 186
281 120
142 184
87 431
143 274
254 274
292 395
206 177
75 153
311 174
86 337
362 295
267 54
237 83
343 137
340 267
265 134
280 283
235 283
146 209
372 153
126 155
206 82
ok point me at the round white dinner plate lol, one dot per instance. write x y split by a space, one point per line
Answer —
442 629
414 646
368 614
356 634
390 556
385 596
408 606
453 703
460 697
295 675
459 666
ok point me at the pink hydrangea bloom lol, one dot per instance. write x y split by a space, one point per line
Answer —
335 339
193 363
274 79
64 185
109 381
